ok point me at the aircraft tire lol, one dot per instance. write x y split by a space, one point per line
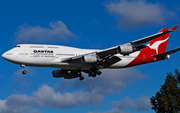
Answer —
93 75
90 75
81 78
99 73
24 72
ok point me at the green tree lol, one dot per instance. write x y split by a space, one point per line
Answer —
167 100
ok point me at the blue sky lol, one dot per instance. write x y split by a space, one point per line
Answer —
84 24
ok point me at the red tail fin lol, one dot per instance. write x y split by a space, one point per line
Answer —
154 47
159 44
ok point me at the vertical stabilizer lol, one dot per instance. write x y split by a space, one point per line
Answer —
159 44
155 49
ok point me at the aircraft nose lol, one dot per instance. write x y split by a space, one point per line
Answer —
4 55
8 56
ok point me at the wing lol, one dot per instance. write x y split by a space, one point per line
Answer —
106 57
147 39
166 53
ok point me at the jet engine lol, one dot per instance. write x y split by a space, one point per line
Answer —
59 73
66 74
89 59
71 75
126 49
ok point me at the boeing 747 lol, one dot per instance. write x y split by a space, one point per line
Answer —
70 61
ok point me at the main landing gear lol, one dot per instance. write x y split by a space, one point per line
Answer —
80 76
24 71
94 72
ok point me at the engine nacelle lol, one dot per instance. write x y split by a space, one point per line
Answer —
65 74
71 75
89 59
167 57
125 49
59 73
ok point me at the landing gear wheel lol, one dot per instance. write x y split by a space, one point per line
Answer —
93 75
90 74
24 72
99 73
81 78
95 71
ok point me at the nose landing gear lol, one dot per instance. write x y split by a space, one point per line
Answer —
24 71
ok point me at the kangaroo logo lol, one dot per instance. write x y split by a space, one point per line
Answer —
156 44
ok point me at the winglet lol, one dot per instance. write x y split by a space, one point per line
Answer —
174 28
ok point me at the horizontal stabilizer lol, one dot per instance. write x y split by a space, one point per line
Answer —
166 53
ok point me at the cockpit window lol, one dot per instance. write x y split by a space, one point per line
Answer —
17 46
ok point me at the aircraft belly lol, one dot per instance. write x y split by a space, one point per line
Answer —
72 66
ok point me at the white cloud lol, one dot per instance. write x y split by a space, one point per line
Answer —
140 104
46 97
111 81
91 91
138 13
5 108
2 104
37 34
113 110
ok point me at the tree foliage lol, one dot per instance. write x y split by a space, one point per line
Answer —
167 100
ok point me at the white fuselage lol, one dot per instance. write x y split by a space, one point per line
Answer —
52 55
72 61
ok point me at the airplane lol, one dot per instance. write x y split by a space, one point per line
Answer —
72 61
